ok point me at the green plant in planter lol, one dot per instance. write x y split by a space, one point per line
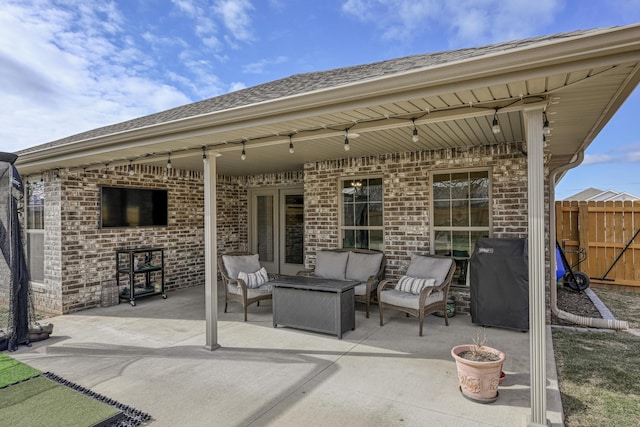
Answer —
479 369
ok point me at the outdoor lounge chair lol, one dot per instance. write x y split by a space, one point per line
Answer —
423 290
244 279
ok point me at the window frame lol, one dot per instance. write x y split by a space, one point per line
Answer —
30 230
341 207
460 277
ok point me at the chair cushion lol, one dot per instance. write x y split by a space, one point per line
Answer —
265 289
237 263
360 289
254 280
425 267
413 285
404 299
331 265
362 266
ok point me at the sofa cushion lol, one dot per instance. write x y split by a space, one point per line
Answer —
237 263
413 285
362 266
254 280
425 267
331 265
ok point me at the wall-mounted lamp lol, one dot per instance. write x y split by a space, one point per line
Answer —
291 150
546 130
415 138
495 126
243 156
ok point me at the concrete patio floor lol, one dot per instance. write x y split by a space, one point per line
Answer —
151 357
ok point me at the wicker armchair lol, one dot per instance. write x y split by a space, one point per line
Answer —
235 289
368 271
419 301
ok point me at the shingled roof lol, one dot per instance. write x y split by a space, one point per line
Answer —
299 84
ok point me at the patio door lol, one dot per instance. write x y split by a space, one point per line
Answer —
276 227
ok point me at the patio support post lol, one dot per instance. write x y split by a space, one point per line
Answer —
537 317
210 251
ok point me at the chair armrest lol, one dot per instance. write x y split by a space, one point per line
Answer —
385 284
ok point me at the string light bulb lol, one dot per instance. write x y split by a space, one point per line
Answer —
130 167
415 138
495 126
546 130
243 156
346 140
169 165
291 150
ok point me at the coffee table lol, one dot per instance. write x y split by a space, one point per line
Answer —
314 304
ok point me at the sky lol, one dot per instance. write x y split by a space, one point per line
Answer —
68 66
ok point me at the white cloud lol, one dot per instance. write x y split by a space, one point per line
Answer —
237 86
258 67
629 153
70 69
236 17
464 22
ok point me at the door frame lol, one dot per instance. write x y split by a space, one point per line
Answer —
279 194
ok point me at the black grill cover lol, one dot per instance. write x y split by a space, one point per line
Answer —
499 281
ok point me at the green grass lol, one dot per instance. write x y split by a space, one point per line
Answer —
599 373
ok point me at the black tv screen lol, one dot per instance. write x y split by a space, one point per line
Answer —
133 207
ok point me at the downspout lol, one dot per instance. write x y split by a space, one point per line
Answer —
590 322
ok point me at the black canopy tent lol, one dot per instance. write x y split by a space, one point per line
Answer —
14 275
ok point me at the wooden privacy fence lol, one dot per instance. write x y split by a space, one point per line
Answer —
609 232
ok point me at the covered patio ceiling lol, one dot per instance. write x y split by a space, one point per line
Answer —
582 78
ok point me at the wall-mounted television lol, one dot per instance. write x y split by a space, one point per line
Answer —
133 207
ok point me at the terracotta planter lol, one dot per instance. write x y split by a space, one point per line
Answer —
478 379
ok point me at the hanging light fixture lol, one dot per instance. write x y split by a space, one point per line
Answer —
291 150
415 138
169 165
495 126
546 130
243 156
346 140
130 167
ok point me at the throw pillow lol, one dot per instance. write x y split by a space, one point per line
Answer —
254 280
413 285
331 265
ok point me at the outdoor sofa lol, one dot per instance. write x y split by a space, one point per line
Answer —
362 265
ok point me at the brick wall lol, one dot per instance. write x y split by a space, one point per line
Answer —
73 233
406 199
80 256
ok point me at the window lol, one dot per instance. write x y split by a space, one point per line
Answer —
35 230
461 212
362 211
